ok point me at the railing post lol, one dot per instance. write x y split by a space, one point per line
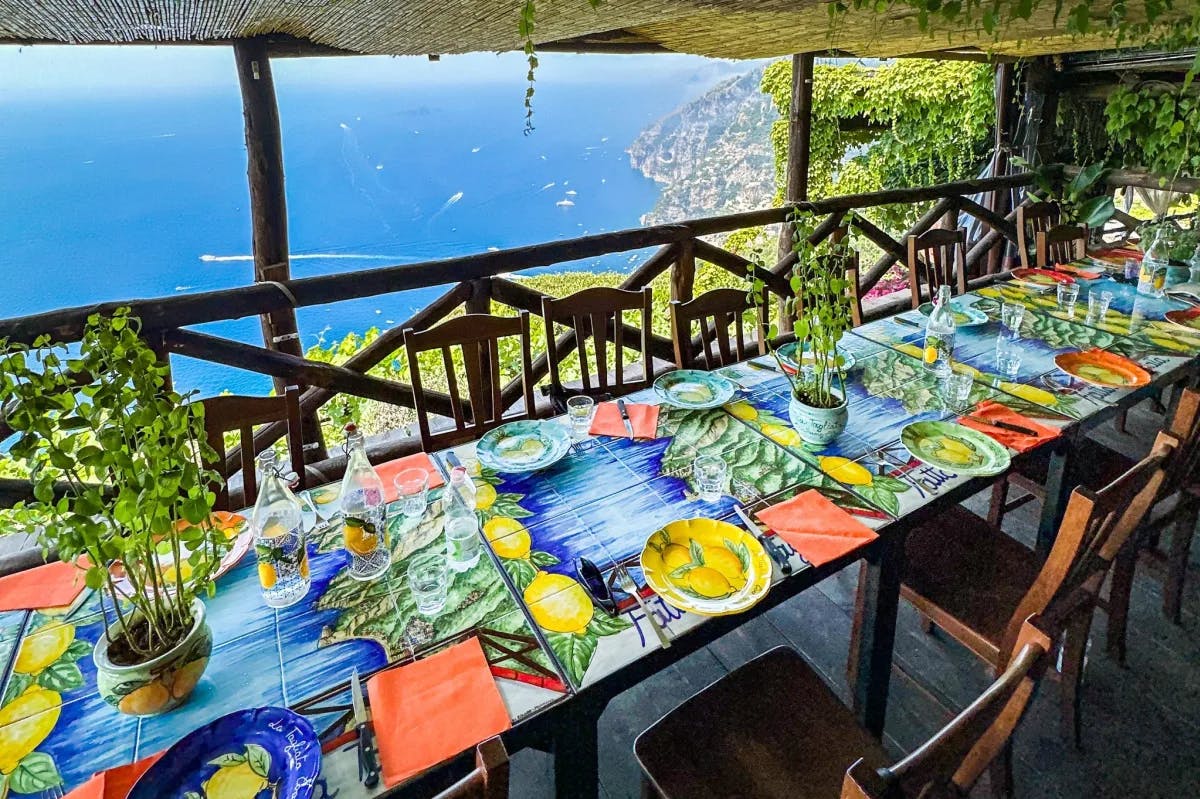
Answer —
268 210
683 271
799 150
480 301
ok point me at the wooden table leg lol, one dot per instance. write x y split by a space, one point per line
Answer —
880 595
1058 492
577 753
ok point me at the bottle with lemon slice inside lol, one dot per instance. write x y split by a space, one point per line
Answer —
277 522
364 513
940 328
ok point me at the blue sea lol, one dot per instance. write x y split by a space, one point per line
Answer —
140 190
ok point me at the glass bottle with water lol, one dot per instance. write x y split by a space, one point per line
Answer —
939 334
463 546
1152 277
278 528
364 522
1194 267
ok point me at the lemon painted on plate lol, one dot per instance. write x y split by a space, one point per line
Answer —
234 782
727 563
25 722
707 582
846 471
558 603
43 647
508 537
675 555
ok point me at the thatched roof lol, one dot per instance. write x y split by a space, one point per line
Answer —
723 28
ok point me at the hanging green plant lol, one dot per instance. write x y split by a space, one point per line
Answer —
1155 124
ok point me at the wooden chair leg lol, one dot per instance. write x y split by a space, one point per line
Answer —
1177 563
1119 592
1122 418
1000 773
1074 650
999 497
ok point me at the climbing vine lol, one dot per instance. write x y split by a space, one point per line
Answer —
525 28
1156 127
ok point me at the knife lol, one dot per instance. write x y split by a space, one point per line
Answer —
773 549
1016 428
453 460
625 417
903 321
368 753
766 367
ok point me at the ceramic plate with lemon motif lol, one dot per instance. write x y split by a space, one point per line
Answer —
964 315
524 446
787 354
955 448
694 389
706 566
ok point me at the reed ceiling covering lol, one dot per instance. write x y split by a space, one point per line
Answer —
722 28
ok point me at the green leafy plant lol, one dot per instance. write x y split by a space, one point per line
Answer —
1155 124
1077 197
102 421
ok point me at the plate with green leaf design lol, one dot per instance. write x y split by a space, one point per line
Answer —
693 388
787 356
964 315
955 448
524 446
706 566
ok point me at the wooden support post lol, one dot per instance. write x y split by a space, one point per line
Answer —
480 301
683 271
799 149
268 208
1000 258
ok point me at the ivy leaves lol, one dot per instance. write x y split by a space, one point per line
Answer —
1155 125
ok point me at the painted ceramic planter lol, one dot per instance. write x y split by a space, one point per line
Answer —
159 685
818 427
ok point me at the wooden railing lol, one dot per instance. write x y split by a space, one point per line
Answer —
474 282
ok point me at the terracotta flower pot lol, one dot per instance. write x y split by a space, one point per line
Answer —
161 684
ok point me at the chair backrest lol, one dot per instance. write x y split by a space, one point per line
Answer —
1184 426
477 338
1031 219
1096 525
1060 244
951 762
598 313
241 414
717 311
937 258
489 779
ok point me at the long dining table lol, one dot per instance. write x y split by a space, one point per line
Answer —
556 669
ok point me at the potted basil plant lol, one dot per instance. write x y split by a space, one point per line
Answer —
116 459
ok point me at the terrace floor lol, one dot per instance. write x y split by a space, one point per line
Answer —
1141 724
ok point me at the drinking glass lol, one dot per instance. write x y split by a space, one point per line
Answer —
411 487
579 411
1098 302
1131 269
462 542
1068 294
1011 314
308 511
1008 359
710 472
957 389
429 581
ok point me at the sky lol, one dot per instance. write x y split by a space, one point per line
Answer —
30 72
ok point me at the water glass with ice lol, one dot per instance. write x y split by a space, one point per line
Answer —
429 581
710 473
957 387
579 411
412 486
1008 359
462 542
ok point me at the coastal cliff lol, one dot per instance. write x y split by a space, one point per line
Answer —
712 155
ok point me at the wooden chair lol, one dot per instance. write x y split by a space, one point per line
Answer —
477 337
717 311
597 313
1060 244
773 728
1031 220
489 779
973 581
234 413
1177 508
937 258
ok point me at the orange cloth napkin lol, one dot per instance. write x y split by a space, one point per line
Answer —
433 709
608 422
419 460
114 783
1078 271
994 411
816 528
49 586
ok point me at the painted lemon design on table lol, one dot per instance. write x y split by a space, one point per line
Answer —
508 537
558 603
743 410
1032 394
706 566
485 495
43 648
784 436
846 471
25 722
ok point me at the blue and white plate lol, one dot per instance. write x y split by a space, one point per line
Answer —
259 753
787 354
524 446
694 388
964 315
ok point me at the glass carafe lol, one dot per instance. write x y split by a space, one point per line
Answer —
277 522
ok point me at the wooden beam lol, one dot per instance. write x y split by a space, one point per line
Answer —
683 272
268 209
799 140
1119 178
737 265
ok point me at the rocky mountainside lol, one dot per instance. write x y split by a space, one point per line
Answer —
712 155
